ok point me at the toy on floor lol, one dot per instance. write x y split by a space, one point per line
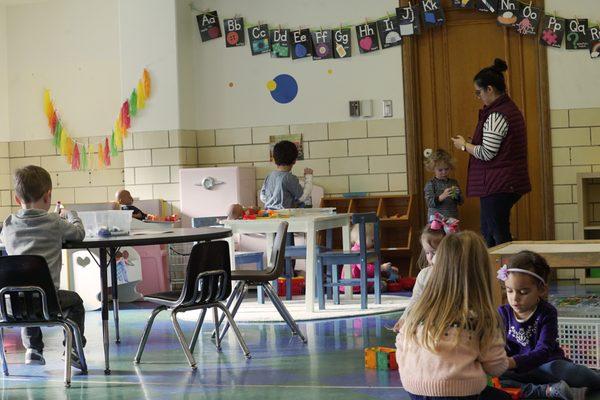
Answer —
515 393
381 358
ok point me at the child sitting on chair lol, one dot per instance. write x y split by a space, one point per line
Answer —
32 230
388 272
125 202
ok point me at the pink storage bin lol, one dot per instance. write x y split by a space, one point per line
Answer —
155 269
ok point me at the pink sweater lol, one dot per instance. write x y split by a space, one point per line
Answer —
458 371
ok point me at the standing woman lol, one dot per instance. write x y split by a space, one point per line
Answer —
497 171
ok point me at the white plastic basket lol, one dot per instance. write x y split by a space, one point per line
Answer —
580 339
178 260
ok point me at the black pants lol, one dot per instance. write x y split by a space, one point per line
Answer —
495 217
72 308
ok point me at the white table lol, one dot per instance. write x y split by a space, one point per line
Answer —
309 224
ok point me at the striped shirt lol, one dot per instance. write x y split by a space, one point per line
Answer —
495 129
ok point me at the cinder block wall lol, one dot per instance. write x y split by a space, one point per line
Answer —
69 186
575 148
357 156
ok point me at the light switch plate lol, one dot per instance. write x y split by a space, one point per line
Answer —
366 107
354 108
387 109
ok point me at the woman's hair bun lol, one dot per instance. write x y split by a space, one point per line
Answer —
499 65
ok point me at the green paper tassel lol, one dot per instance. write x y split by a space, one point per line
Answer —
133 103
57 134
84 158
113 147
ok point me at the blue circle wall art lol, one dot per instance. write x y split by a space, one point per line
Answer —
283 88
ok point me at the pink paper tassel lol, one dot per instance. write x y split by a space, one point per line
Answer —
76 160
106 153
125 115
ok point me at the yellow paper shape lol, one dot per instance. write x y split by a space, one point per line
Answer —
63 142
141 98
48 108
146 83
100 156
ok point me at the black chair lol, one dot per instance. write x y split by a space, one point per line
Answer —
207 283
28 299
332 260
263 279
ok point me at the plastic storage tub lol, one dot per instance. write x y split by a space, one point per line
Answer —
106 223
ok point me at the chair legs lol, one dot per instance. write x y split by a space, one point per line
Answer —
181 338
140 350
217 336
197 330
283 311
4 364
242 291
78 345
68 349
235 328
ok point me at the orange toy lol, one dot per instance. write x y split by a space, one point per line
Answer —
515 393
381 358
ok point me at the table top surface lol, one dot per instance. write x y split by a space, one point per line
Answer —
174 235
548 246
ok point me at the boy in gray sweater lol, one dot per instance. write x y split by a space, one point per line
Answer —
33 230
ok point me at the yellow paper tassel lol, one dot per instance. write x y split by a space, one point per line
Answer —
118 140
64 142
70 146
100 156
141 98
146 83
48 108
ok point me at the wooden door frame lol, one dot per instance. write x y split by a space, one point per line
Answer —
414 142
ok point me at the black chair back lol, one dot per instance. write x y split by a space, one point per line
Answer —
277 261
208 274
27 293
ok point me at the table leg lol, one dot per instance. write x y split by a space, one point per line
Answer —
104 284
231 251
310 268
115 291
347 270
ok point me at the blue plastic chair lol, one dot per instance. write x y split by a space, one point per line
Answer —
332 260
241 257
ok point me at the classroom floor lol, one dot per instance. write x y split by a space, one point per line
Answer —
330 366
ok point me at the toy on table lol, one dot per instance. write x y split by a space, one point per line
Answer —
156 218
515 393
237 211
381 358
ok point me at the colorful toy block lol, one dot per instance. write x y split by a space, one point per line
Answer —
515 393
381 358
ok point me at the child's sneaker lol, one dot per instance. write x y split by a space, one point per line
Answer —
75 361
559 390
34 357
579 393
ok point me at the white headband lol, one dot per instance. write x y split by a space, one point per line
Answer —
503 273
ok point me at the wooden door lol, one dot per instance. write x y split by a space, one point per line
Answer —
439 67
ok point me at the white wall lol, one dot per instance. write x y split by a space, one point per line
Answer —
574 76
4 132
148 39
186 31
321 96
72 48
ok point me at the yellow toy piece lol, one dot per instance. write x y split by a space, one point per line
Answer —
381 358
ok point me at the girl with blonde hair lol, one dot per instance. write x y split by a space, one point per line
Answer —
453 335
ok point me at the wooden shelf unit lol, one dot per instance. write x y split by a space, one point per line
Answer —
399 233
588 204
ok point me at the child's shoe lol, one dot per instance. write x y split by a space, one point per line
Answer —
75 361
560 391
34 357
579 393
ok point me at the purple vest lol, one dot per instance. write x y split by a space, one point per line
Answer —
507 172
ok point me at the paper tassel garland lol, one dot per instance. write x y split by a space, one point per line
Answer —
78 155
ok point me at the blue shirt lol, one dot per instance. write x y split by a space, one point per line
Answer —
281 189
532 342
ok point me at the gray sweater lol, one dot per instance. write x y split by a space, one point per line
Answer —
448 207
38 232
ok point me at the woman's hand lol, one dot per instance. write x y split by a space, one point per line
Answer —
459 142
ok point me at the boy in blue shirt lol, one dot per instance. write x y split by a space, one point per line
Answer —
281 188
